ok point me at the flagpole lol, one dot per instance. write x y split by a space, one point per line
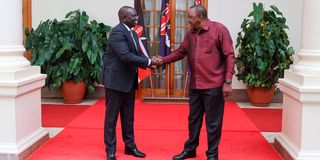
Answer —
168 82
151 85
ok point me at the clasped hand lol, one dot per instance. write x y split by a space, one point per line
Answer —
156 62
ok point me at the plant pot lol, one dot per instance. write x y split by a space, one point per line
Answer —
260 96
73 92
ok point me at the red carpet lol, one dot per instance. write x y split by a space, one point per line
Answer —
267 120
60 115
160 131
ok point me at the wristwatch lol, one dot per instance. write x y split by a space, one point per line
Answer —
227 81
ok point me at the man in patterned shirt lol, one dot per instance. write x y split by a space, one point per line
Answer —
208 47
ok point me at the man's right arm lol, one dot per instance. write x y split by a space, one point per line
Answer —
119 43
177 54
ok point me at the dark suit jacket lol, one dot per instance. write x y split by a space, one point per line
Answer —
122 60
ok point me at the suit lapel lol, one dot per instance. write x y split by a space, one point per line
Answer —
127 33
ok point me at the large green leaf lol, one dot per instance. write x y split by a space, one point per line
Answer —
60 52
257 12
274 8
92 56
75 65
70 49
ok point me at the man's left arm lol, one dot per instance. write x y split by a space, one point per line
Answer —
228 51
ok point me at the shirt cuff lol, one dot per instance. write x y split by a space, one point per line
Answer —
164 60
149 62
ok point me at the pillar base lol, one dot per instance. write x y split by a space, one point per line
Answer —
20 109
301 109
19 151
290 151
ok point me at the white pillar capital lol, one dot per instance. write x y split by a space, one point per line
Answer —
309 55
11 47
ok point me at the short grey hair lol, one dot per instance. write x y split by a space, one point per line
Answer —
200 10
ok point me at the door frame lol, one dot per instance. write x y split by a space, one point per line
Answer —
27 23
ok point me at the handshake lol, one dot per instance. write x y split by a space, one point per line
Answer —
156 62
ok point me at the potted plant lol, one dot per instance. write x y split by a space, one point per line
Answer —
69 52
264 52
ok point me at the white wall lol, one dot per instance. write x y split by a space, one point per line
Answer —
105 11
229 12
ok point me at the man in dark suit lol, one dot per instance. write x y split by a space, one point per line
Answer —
122 59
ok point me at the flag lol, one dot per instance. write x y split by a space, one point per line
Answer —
196 2
165 29
139 29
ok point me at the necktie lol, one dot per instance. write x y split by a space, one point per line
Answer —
135 44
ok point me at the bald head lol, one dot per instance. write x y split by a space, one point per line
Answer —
128 16
124 11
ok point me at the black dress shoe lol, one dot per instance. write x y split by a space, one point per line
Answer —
111 156
185 154
134 151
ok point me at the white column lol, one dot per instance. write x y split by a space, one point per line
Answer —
11 35
20 84
300 135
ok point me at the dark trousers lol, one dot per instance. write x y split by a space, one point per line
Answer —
210 102
116 102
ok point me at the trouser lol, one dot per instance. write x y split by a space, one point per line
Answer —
116 102
210 102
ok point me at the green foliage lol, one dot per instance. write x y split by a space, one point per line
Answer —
70 49
263 45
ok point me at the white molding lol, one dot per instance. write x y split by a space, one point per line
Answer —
308 56
270 136
11 57
21 81
12 50
301 87
24 143
53 131
301 94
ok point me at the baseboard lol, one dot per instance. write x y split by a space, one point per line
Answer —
238 95
171 100
281 150
46 93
